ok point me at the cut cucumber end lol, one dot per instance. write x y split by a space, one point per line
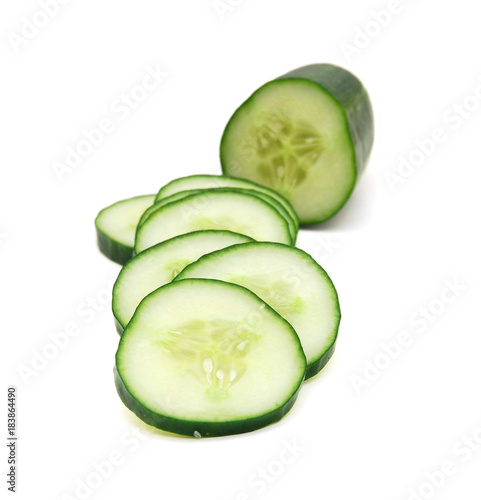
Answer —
208 358
306 135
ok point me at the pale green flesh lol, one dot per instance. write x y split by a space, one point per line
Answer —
288 279
119 221
203 351
292 136
233 211
222 181
160 264
182 194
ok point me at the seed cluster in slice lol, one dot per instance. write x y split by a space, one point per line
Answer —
286 151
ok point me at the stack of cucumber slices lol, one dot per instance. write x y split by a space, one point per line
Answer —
221 317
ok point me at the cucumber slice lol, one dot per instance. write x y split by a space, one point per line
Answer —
307 134
290 281
238 212
207 358
293 228
160 264
116 226
219 181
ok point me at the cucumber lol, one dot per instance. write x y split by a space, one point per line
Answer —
159 265
293 228
116 226
307 134
219 181
207 358
290 281
231 210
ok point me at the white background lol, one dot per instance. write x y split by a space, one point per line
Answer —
390 251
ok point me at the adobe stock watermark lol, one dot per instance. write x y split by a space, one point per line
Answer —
33 25
121 108
462 451
100 471
378 22
57 341
452 119
326 246
419 321
258 482
225 7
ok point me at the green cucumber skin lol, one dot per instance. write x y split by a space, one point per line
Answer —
114 250
353 99
196 428
354 103
319 364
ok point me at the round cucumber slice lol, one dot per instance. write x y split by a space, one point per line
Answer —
307 135
207 358
220 181
293 228
160 264
290 281
116 226
230 210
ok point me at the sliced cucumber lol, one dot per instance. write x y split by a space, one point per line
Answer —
219 181
307 134
231 210
293 228
116 226
290 281
160 264
208 358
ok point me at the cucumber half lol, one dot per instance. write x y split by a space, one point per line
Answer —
220 181
307 134
293 227
290 281
160 264
116 226
230 210
208 358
